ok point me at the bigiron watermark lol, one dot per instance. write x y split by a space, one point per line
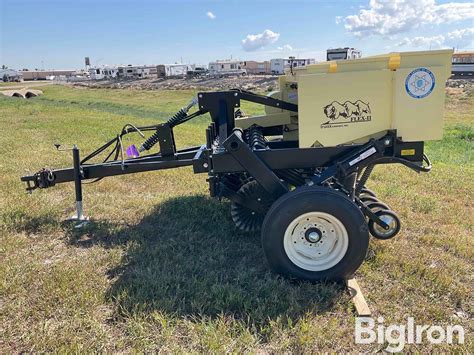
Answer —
397 335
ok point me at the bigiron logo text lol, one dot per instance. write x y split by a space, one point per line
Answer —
348 112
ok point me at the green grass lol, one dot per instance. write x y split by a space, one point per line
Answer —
35 83
161 266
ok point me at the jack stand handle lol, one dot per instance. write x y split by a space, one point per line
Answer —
79 217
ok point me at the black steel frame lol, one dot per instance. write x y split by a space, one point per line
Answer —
227 152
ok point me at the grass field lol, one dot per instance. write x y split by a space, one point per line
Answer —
161 266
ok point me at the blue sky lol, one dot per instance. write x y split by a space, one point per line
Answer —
59 34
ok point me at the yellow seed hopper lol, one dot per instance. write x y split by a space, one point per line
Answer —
346 101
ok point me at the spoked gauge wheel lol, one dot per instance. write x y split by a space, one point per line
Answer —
315 233
245 218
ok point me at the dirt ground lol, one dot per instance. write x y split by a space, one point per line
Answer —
250 82
257 83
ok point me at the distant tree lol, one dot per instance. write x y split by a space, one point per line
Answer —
4 66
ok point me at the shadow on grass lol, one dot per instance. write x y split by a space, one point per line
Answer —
186 258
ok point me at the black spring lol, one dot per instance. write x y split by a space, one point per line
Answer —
363 179
256 139
150 142
177 118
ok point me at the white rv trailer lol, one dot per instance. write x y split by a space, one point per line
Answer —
278 65
136 71
463 65
173 70
104 72
342 53
226 68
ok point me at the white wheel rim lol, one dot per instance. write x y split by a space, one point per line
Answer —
316 241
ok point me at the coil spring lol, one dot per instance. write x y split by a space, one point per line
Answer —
363 179
255 138
150 142
177 118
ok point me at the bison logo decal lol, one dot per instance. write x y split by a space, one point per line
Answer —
347 112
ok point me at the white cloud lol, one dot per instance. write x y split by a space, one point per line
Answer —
458 38
390 17
254 42
421 41
464 34
285 48
210 15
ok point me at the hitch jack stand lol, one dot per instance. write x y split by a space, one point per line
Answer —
79 216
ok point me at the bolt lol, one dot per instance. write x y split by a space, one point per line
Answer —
206 165
200 96
253 213
236 94
386 142
259 199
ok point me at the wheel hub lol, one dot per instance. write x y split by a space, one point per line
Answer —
389 221
313 235
316 241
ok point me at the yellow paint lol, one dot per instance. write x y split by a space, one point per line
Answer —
406 152
394 61
378 82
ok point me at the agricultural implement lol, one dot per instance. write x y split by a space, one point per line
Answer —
298 173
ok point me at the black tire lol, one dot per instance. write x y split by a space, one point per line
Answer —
367 191
375 206
368 199
377 232
294 204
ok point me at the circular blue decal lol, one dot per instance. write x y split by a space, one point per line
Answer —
420 83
